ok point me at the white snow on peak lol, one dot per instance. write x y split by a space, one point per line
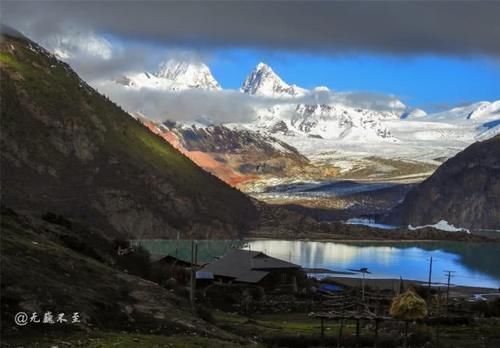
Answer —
485 109
263 81
396 104
321 89
413 113
480 111
190 74
174 75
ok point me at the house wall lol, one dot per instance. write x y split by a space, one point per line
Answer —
281 277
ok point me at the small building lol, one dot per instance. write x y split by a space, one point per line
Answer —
171 267
254 267
171 261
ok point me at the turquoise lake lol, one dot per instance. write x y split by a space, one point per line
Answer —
475 264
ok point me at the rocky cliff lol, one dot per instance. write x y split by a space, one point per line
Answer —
464 191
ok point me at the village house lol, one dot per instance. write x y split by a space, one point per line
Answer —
254 267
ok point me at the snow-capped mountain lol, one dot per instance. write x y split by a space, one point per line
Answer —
174 75
188 74
486 110
263 81
286 110
480 111
413 113
292 117
340 122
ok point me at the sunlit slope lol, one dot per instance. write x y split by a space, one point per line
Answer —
68 149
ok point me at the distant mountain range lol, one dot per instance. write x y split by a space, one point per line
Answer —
82 156
301 112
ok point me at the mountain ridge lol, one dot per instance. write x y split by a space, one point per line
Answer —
173 75
298 112
463 191
67 146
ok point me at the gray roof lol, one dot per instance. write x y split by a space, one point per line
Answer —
246 266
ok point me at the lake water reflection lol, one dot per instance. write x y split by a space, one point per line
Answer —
475 264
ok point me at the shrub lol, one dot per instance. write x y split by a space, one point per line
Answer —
205 313
136 262
57 219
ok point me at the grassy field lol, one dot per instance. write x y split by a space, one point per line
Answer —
300 329
102 339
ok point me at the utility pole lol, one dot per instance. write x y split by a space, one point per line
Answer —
363 271
430 281
177 245
449 274
194 258
363 287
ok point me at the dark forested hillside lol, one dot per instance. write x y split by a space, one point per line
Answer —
465 191
69 150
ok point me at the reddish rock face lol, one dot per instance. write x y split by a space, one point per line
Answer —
238 156
202 159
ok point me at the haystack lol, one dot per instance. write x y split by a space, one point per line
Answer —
408 306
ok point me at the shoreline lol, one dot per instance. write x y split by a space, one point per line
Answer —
391 283
332 240
367 240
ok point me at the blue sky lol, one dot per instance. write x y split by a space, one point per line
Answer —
429 82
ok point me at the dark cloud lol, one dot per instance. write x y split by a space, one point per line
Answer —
394 27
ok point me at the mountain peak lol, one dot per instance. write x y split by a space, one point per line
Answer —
265 82
174 75
188 74
264 67
413 113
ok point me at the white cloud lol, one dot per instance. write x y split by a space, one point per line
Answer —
74 43
225 106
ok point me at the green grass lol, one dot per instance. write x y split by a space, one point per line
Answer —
267 325
35 266
102 339
10 61
58 94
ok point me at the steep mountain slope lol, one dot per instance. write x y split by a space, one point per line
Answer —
68 149
464 191
61 267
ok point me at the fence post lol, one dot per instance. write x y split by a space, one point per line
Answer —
322 328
